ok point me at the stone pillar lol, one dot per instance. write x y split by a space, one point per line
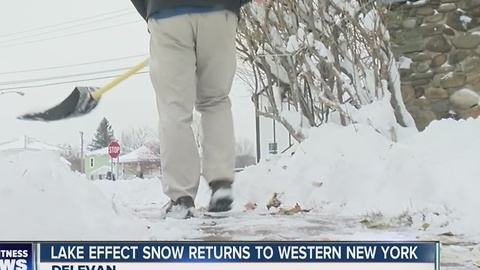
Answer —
437 43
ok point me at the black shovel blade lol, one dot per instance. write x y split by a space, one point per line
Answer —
80 102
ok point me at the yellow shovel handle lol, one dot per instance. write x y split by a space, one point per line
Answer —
99 92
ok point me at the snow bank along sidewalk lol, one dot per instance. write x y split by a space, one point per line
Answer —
428 179
42 199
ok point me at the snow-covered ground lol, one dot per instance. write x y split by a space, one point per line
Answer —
357 185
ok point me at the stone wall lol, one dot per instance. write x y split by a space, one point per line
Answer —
437 43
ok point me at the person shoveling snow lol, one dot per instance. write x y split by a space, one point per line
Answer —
192 64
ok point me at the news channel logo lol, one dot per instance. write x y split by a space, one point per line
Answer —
16 256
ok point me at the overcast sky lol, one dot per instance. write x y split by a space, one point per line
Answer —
29 40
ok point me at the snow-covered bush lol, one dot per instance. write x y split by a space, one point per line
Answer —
315 61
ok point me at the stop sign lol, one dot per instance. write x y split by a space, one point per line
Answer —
114 149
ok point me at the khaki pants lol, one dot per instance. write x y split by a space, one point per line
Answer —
192 65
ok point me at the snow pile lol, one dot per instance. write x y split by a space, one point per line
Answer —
42 199
135 193
380 116
145 198
138 194
427 178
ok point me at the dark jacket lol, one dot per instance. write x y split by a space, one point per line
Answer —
148 7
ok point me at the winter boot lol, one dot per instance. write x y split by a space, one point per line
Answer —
222 196
182 208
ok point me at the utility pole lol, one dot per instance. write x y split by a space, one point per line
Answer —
82 165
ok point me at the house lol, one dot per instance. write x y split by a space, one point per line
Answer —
26 143
141 162
94 161
102 173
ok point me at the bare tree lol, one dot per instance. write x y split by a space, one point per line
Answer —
245 153
244 146
72 155
154 146
145 135
314 61
136 137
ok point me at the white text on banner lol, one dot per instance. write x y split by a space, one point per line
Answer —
223 266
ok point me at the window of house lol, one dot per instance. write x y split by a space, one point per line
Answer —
91 163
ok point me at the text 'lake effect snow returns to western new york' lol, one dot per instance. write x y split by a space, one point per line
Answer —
159 252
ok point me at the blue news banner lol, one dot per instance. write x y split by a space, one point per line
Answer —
218 255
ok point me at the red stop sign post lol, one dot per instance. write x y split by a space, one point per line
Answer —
114 152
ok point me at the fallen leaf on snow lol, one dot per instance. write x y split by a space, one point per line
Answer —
250 206
293 210
425 226
274 201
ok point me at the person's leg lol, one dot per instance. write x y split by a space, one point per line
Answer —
216 65
172 72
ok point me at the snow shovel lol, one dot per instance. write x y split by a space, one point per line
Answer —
81 101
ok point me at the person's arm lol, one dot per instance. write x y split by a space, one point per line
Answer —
141 7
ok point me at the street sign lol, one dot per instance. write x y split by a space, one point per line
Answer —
114 149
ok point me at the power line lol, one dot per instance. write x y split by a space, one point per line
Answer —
72 65
54 25
65 82
67 35
64 28
61 76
